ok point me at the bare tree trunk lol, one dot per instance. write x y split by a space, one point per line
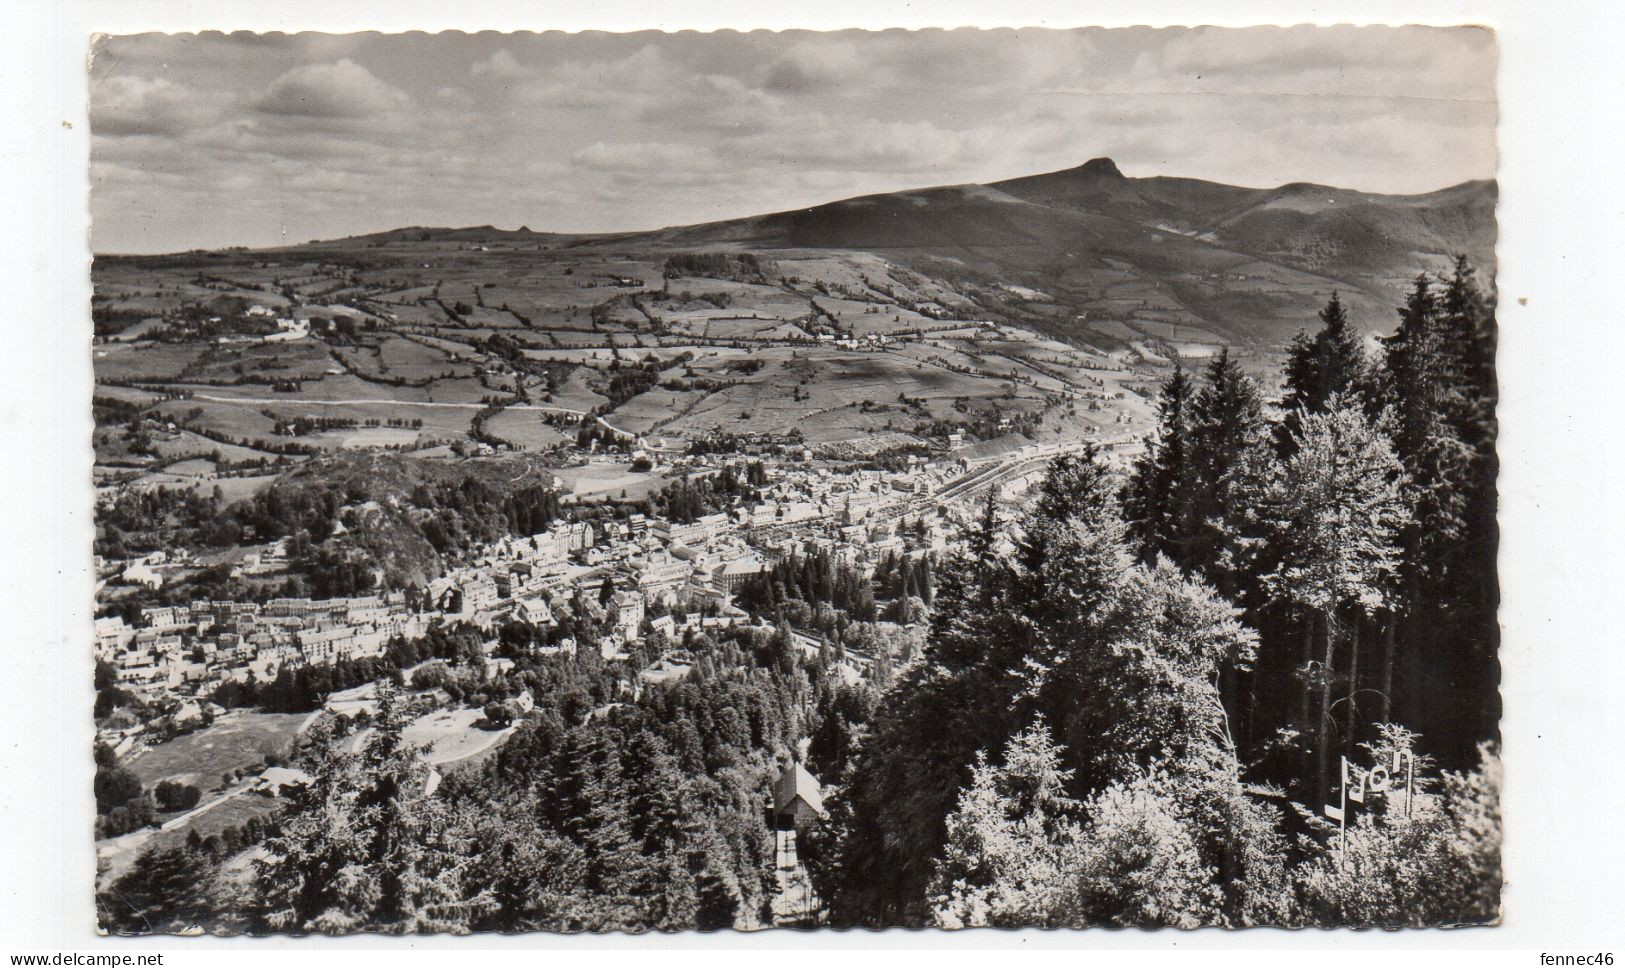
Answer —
1229 691
1417 639
1324 744
1252 708
1387 682
1309 622
1354 671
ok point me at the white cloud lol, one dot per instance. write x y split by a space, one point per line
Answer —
343 89
616 132
898 146
644 158
123 105
501 64
1419 62
818 65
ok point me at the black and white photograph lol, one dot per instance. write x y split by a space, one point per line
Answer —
674 481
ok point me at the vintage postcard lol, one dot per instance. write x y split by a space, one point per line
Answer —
583 482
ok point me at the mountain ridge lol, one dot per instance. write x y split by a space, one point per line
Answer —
1248 265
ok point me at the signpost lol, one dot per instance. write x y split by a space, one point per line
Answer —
1380 780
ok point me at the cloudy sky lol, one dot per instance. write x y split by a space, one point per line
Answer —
212 140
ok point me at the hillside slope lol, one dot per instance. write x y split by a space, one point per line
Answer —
1248 265
1105 259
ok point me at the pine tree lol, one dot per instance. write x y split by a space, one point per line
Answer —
1071 559
1233 458
1467 330
1469 315
165 890
717 903
1422 392
1439 379
362 847
1069 627
1161 503
521 874
1161 831
594 797
1229 439
981 543
1330 364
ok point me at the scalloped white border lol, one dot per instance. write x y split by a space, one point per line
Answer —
1563 653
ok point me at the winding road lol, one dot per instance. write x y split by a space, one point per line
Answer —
216 398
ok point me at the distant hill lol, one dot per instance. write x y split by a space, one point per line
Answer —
1312 227
1245 265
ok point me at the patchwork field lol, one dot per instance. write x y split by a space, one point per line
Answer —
414 338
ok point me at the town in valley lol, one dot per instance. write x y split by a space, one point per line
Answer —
1078 542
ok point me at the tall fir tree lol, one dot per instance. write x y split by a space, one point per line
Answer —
166 889
1422 391
1009 841
1330 363
363 847
1229 453
1160 502
1439 379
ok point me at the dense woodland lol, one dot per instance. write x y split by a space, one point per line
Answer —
1131 707
1133 701
603 812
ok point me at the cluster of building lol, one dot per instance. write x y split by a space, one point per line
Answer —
695 568
196 647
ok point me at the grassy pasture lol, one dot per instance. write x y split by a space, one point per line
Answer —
412 314
491 317
144 362
140 330
1116 329
459 390
238 419
305 359
238 739
141 398
364 437
608 480
449 735
1182 331
189 443
231 488
600 355
196 467
577 338
641 413
575 394
413 361
526 428
753 329
458 351
437 421
349 387
233 813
